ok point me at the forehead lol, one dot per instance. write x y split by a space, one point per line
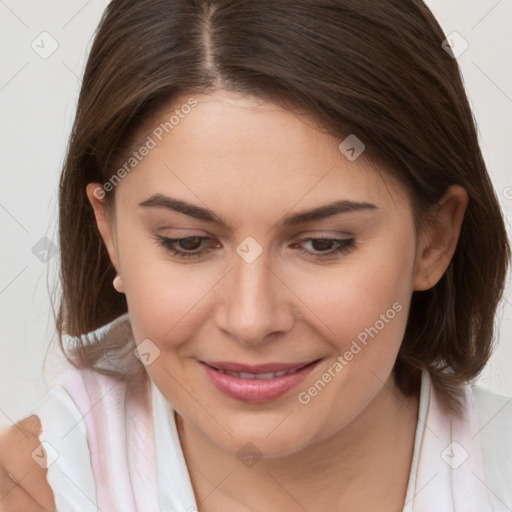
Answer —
228 146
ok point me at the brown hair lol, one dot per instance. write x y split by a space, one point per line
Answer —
376 69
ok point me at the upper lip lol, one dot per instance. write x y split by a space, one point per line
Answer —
256 368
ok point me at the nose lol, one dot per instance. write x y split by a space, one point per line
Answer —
256 304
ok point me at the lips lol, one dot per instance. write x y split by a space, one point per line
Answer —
256 383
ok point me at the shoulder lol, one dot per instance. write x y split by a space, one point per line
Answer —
494 412
93 425
57 403
494 415
64 439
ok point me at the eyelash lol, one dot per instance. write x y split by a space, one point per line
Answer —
344 246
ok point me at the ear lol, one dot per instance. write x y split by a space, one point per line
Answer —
438 241
96 196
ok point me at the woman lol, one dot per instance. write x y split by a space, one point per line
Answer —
281 261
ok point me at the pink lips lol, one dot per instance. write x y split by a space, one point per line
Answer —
256 390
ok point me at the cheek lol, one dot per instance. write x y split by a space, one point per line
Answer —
363 308
351 297
168 295
164 297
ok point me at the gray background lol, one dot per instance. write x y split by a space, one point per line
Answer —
37 101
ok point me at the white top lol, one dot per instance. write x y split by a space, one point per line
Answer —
112 445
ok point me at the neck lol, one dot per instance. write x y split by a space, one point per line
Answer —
365 466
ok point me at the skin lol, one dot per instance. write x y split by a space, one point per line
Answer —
252 163
27 490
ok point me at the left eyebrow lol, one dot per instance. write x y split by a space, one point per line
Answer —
200 213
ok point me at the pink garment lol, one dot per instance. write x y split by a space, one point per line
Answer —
125 478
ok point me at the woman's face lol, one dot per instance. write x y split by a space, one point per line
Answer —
253 284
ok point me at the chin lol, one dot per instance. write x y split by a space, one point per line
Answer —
271 440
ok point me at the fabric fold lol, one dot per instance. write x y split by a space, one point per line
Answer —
450 472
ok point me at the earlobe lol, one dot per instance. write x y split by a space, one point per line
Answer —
118 283
438 243
96 195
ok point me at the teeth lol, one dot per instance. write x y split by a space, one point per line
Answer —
263 376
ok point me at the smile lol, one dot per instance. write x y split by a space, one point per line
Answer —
264 376
256 383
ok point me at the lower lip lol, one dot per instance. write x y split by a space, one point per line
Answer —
257 390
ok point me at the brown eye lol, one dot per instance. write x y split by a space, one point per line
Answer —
184 247
322 246
190 243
